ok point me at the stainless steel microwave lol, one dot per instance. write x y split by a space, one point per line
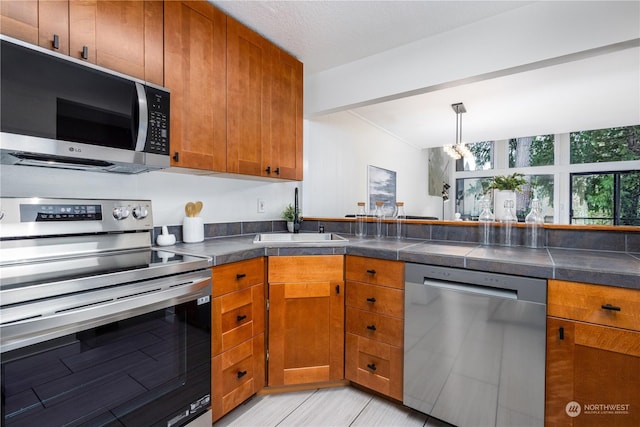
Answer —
57 111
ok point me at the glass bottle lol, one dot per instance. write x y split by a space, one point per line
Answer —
534 221
485 221
509 219
379 216
361 220
400 217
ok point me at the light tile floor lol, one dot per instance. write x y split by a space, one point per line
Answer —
334 407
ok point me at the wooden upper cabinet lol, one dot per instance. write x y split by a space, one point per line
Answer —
124 36
53 31
195 72
19 19
119 35
128 37
247 100
264 99
285 132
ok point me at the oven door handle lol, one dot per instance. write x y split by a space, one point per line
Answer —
100 307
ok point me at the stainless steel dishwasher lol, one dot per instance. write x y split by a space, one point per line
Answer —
474 346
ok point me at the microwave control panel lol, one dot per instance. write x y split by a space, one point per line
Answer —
158 131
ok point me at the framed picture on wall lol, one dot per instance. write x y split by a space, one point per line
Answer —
382 187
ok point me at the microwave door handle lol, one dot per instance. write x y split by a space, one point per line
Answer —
143 117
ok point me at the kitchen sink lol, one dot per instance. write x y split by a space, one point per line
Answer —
299 238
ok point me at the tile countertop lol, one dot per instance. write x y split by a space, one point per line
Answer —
597 267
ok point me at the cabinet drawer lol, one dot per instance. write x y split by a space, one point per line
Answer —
237 374
388 330
375 299
375 365
236 317
238 275
603 305
375 271
307 268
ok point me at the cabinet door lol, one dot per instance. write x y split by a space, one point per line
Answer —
195 70
306 319
82 29
128 34
285 134
19 19
593 375
247 100
53 20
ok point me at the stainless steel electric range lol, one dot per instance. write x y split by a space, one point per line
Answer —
97 327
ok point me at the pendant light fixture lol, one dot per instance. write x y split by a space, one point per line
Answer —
458 150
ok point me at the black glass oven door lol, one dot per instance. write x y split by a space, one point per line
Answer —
151 369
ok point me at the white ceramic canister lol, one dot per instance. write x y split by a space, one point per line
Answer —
192 229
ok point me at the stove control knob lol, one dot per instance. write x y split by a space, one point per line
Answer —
121 212
140 212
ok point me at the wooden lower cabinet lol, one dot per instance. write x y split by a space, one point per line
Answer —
306 319
375 324
237 374
237 334
374 364
593 369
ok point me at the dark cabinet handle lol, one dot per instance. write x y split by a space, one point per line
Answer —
372 366
85 52
372 299
277 171
241 374
240 276
610 307
371 327
268 169
176 157
371 271
241 317
561 333
56 41
337 289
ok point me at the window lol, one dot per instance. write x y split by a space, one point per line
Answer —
469 192
593 175
605 198
531 151
605 145
482 157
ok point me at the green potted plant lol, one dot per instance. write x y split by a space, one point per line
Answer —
505 187
289 215
513 182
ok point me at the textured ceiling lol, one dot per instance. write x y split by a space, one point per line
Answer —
325 34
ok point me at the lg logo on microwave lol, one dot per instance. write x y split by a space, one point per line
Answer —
75 150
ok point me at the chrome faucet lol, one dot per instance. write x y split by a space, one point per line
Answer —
296 215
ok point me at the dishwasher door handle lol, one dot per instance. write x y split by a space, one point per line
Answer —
480 290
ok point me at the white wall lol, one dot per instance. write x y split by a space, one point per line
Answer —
225 199
339 147
337 150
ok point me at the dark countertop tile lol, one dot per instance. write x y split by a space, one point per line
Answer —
511 260
448 254
599 267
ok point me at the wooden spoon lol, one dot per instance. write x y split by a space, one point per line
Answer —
198 208
189 209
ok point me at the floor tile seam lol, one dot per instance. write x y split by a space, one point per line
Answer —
361 411
297 407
